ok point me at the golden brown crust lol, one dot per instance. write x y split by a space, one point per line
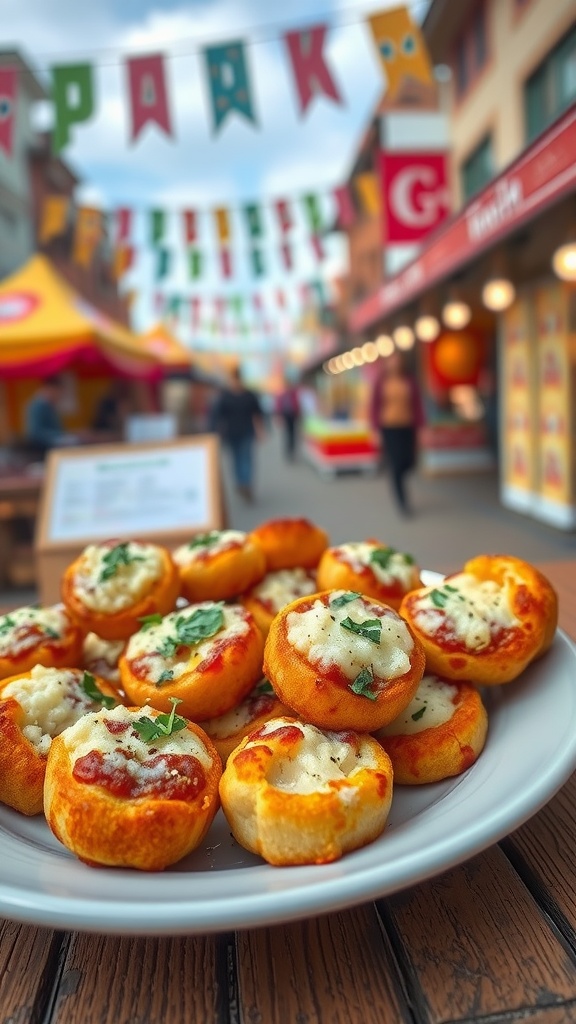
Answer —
533 603
303 828
290 543
67 650
263 708
335 573
222 575
212 686
260 608
161 599
444 751
22 768
147 833
327 701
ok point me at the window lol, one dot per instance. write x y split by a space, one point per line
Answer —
471 52
478 169
552 87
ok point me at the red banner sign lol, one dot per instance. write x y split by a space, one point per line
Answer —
416 194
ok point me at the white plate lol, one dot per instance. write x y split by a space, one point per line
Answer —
529 754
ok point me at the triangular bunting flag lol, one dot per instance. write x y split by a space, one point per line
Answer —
147 91
87 235
401 48
228 81
194 264
123 224
162 264
253 215
54 220
157 225
8 94
345 207
284 215
313 212
73 98
190 219
312 75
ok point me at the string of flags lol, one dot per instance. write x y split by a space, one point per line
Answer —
228 75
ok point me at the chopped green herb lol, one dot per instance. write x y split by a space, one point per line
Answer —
6 623
362 683
113 559
165 677
91 690
438 598
264 687
51 633
205 540
418 714
370 629
163 725
149 620
191 629
339 602
451 590
382 557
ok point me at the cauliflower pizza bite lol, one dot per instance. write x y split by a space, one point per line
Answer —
486 623
34 708
440 734
343 661
370 568
208 655
38 636
296 795
258 707
276 590
290 543
132 788
110 586
217 566
101 657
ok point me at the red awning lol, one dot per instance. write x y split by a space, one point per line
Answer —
538 178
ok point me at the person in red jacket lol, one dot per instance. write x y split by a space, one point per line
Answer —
396 412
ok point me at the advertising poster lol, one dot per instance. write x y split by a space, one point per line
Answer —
519 433
553 376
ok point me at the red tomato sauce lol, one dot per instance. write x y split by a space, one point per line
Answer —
188 782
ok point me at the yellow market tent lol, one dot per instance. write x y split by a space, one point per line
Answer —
160 343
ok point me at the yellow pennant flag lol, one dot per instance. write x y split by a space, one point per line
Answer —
401 48
222 224
54 217
122 261
87 236
369 193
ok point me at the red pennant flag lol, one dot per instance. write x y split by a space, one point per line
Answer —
310 69
317 247
124 224
195 312
159 303
281 298
257 302
8 86
345 206
305 293
284 215
226 262
190 226
287 256
147 88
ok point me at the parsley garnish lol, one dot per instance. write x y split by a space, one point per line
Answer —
149 620
362 683
264 687
370 629
51 633
91 690
163 725
6 623
191 629
165 677
438 598
113 559
418 714
382 556
339 602
205 540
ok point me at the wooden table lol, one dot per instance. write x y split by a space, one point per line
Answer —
493 940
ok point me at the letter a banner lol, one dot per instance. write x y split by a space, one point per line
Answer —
228 82
8 86
147 89
73 96
401 48
311 73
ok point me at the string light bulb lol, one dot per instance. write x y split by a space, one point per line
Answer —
498 293
427 328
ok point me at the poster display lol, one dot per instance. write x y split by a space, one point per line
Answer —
554 388
519 414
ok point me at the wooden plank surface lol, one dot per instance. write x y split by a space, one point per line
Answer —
28 962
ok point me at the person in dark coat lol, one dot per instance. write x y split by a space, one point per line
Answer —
396 411
237 417
288 409
43 425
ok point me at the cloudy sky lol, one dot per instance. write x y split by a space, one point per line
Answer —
283 156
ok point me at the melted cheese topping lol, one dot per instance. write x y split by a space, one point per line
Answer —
321 758
18 629
320 637
472 610
91 733
278 589
52 700
238 719
431 706
224 539
128 584
101 656
398 569
146 642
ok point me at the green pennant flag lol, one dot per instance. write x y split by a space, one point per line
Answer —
173 306
318 288
162 263
257 259
73 98
236 304
228 80
313 213
194 264
157 225
253 216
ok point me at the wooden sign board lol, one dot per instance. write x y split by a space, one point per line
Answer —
160 492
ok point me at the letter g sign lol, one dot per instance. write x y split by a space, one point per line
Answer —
416 197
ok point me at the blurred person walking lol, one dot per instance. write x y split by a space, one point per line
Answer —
396 412
288 410
43 424
237 417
